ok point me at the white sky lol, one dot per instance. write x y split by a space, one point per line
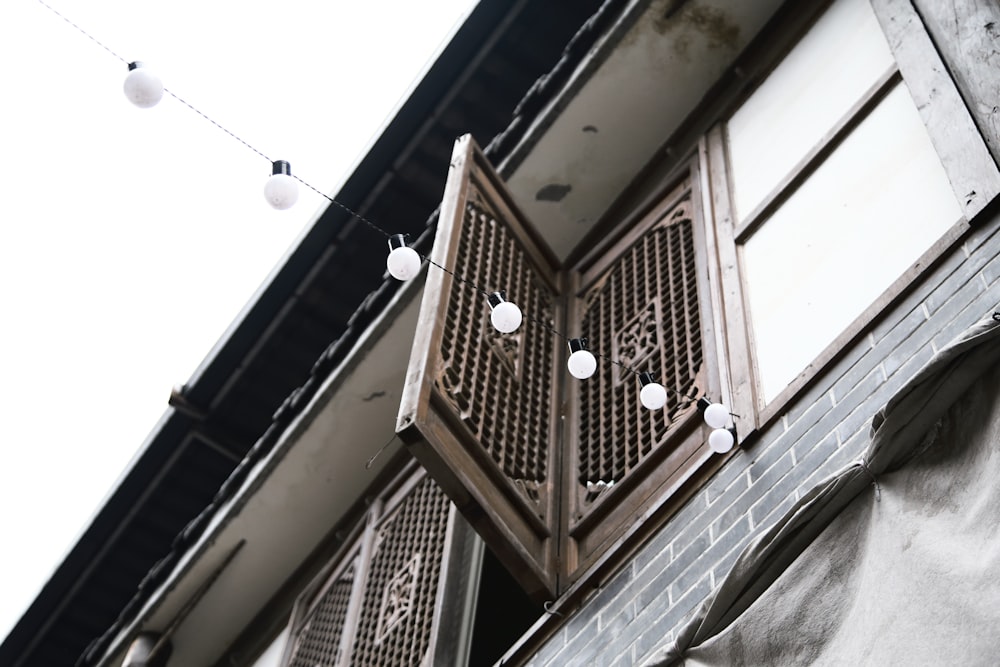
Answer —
130 238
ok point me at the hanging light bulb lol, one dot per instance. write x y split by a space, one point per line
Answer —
653 394
506 316
721 440
142 87
281 190
716 415
403 262
581 363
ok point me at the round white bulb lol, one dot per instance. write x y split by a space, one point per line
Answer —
281 191
720 440
143 88
506 317
582 364
716 415
653 396
403 263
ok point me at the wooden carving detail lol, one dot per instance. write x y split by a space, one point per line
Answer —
638 340
397 608
318 641
397 598
498 384
449 384
646 307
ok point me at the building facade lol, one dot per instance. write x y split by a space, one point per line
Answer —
788 208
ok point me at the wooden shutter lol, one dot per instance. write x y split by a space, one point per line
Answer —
640 304
397 611
553 472
319 637
477 406
389 596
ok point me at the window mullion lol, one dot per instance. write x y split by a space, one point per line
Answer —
827 144
350 629
735 325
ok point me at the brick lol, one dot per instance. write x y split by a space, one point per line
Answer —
624 659
804 407
862 412
608 596
806 451
961 275
657 548
984 303
991 271
742 504
785 488
764 521
734 537
732 472
547 653
724 501
809 417
985 237
767 457
661 582
904 357
619 642
654 634
581 652
581 623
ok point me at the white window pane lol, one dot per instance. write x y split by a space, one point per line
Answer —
860 220
826 73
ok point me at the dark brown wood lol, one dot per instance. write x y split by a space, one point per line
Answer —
523 534
971 169
967 35
592 528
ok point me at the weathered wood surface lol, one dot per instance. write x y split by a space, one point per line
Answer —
967 35
968 162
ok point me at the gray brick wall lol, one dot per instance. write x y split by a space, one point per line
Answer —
643 606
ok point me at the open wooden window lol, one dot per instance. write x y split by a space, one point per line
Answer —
389 596
554 473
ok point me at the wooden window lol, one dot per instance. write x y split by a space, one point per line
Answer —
556 474
384 599
848 171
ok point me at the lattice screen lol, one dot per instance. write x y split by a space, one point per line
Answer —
499 385
644 311
398 606
318 641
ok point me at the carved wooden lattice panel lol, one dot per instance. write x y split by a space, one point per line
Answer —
397 611
318 640
645 311
499 383
477 410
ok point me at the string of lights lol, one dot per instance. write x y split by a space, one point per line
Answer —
145 89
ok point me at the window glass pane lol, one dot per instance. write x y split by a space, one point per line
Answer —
829 70
868 212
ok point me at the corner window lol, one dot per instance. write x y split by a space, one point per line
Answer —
831 188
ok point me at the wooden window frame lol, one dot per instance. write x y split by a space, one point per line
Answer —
973 175
551 557
450 633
